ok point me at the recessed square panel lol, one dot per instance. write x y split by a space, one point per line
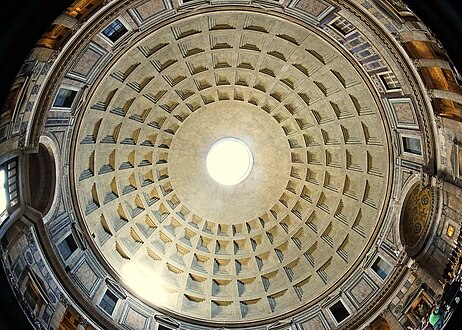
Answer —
339 311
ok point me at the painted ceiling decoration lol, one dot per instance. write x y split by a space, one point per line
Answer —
416 216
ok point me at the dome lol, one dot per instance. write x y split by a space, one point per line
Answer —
291 229
232 164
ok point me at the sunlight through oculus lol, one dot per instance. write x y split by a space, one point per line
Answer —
229 161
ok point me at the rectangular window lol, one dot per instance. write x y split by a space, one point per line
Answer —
30 296
161 327
390 81
381 268
115 30
67 247
47 314
18 268
9 194
339 311
108 302
343 26
65 98
3 190
412 145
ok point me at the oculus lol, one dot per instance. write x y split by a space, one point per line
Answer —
229 161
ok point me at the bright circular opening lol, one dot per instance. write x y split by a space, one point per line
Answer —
229 161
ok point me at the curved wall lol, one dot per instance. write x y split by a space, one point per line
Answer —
61 278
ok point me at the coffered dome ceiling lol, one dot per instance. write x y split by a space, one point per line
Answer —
294 228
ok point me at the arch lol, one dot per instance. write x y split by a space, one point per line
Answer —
380 324
416 218
42 179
